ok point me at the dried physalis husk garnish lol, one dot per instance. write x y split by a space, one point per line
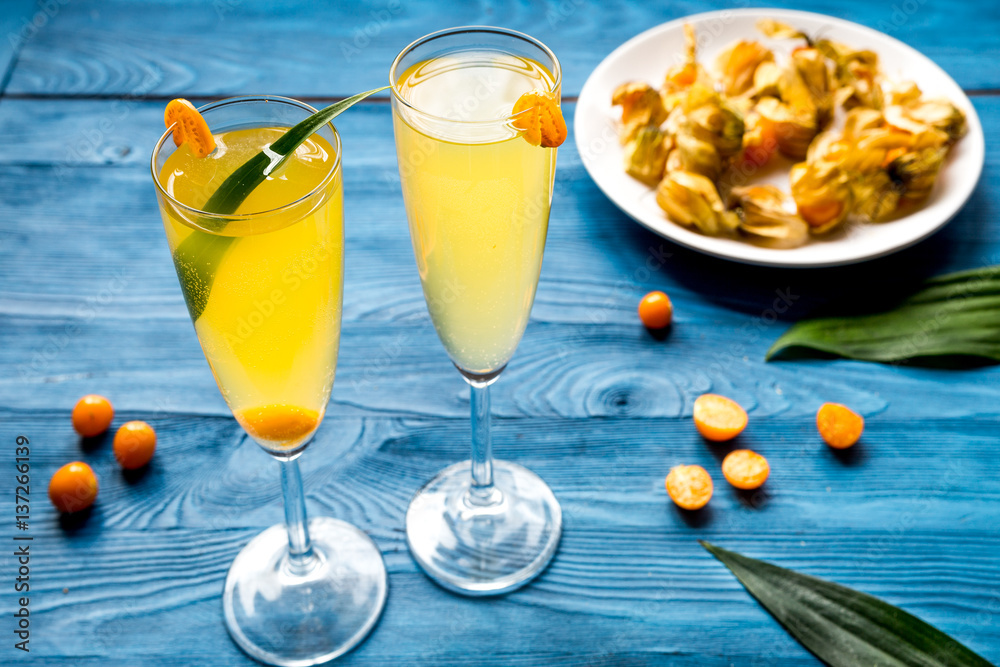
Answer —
822 195
738 64
692 200
645 154
764 215
641 106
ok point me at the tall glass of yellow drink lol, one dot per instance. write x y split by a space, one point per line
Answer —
264 288
477 196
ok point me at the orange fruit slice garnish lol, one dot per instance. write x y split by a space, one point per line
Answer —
282 424
538 116
189 127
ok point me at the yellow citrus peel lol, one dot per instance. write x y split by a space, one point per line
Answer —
189 127
538 116
285 424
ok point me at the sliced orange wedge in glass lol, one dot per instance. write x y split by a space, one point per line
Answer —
538 116
189 127
283 425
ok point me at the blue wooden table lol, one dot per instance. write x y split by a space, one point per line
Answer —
600 409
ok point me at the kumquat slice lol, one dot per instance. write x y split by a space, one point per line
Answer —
690 487
718 418
189 127
745 469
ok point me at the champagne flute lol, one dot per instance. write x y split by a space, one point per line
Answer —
264 288
477 198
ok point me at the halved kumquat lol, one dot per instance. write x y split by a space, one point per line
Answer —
745 469
718 418
690 487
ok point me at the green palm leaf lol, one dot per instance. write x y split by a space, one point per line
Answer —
950 317
842 627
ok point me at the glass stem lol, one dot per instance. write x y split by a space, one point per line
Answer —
301 557
482 491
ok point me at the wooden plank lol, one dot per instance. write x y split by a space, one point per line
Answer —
628 584
227 47
20 23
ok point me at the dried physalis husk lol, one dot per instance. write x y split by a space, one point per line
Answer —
766 79
903 93
641 106
916 172
759 143
645 154
815 75
777 30
793 131
856 74
694 155
909 110
691 200
940 116
828 146
737 66
719 125
822 194
681 77
764 215
876 196
861 120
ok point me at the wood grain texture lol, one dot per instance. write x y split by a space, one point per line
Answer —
599 408
298 48
896 520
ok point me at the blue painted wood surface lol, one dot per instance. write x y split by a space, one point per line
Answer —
89 303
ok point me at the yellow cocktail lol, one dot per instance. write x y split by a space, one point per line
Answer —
264 286
270 327
477 195
477 198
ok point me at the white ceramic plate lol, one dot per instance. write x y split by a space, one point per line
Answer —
647 57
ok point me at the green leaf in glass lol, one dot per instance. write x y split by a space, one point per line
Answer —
198 256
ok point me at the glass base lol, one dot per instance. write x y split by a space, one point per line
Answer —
484 549
281 617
